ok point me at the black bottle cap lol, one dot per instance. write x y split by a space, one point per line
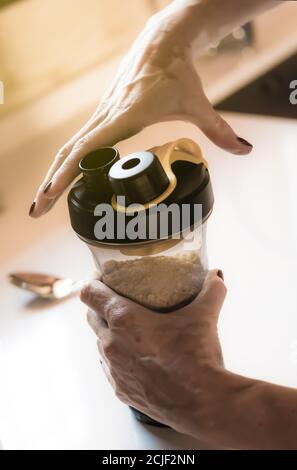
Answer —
144 181
139 177
95 167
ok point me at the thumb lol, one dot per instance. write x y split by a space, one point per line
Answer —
217 129
107 303
98 297
210 300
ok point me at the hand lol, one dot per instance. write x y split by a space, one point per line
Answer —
165 365
157 81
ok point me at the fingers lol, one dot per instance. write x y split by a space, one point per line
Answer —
211 298
41 202
97 298
108 304
97 323
217 129
103 362
45 197
69 168
115 309
66 166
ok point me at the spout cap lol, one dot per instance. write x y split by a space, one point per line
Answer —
95 167
139 177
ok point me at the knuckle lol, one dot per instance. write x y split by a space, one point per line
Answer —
217 120
117 320
94 321
224 288
218 285
110 306
86 294
120 387
115 312
120 395
220 123
109 350
113 373
103 106
100 347
91 296
62 153
81 143
90 317
121 115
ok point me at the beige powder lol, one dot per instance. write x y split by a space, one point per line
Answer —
159 282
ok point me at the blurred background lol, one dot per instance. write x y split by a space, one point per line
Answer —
47 43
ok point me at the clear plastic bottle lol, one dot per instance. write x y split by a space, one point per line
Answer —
162 273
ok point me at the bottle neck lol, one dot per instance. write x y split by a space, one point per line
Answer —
95 167
97 183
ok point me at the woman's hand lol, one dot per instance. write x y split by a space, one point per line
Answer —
157 81
169 366
165 365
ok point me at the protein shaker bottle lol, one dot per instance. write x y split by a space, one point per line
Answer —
144 217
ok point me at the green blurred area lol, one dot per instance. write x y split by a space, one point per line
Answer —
4 3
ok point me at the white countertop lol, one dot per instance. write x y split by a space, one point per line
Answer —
53 392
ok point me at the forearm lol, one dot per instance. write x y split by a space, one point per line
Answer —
197 24
245 413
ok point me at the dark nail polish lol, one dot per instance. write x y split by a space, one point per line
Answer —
46 189
220 274
32 208
244 142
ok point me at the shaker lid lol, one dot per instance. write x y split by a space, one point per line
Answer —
155 178
172 174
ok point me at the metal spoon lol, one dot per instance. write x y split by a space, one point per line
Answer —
46 286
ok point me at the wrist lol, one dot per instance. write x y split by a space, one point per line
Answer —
215 406
173 32
202 397
210 394
185 29
192 26
220 416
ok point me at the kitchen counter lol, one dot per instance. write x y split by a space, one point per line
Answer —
53 392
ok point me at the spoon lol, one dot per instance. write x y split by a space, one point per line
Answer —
45 286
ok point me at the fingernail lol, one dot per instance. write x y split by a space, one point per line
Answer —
220 274
32 208
244 142
46 189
